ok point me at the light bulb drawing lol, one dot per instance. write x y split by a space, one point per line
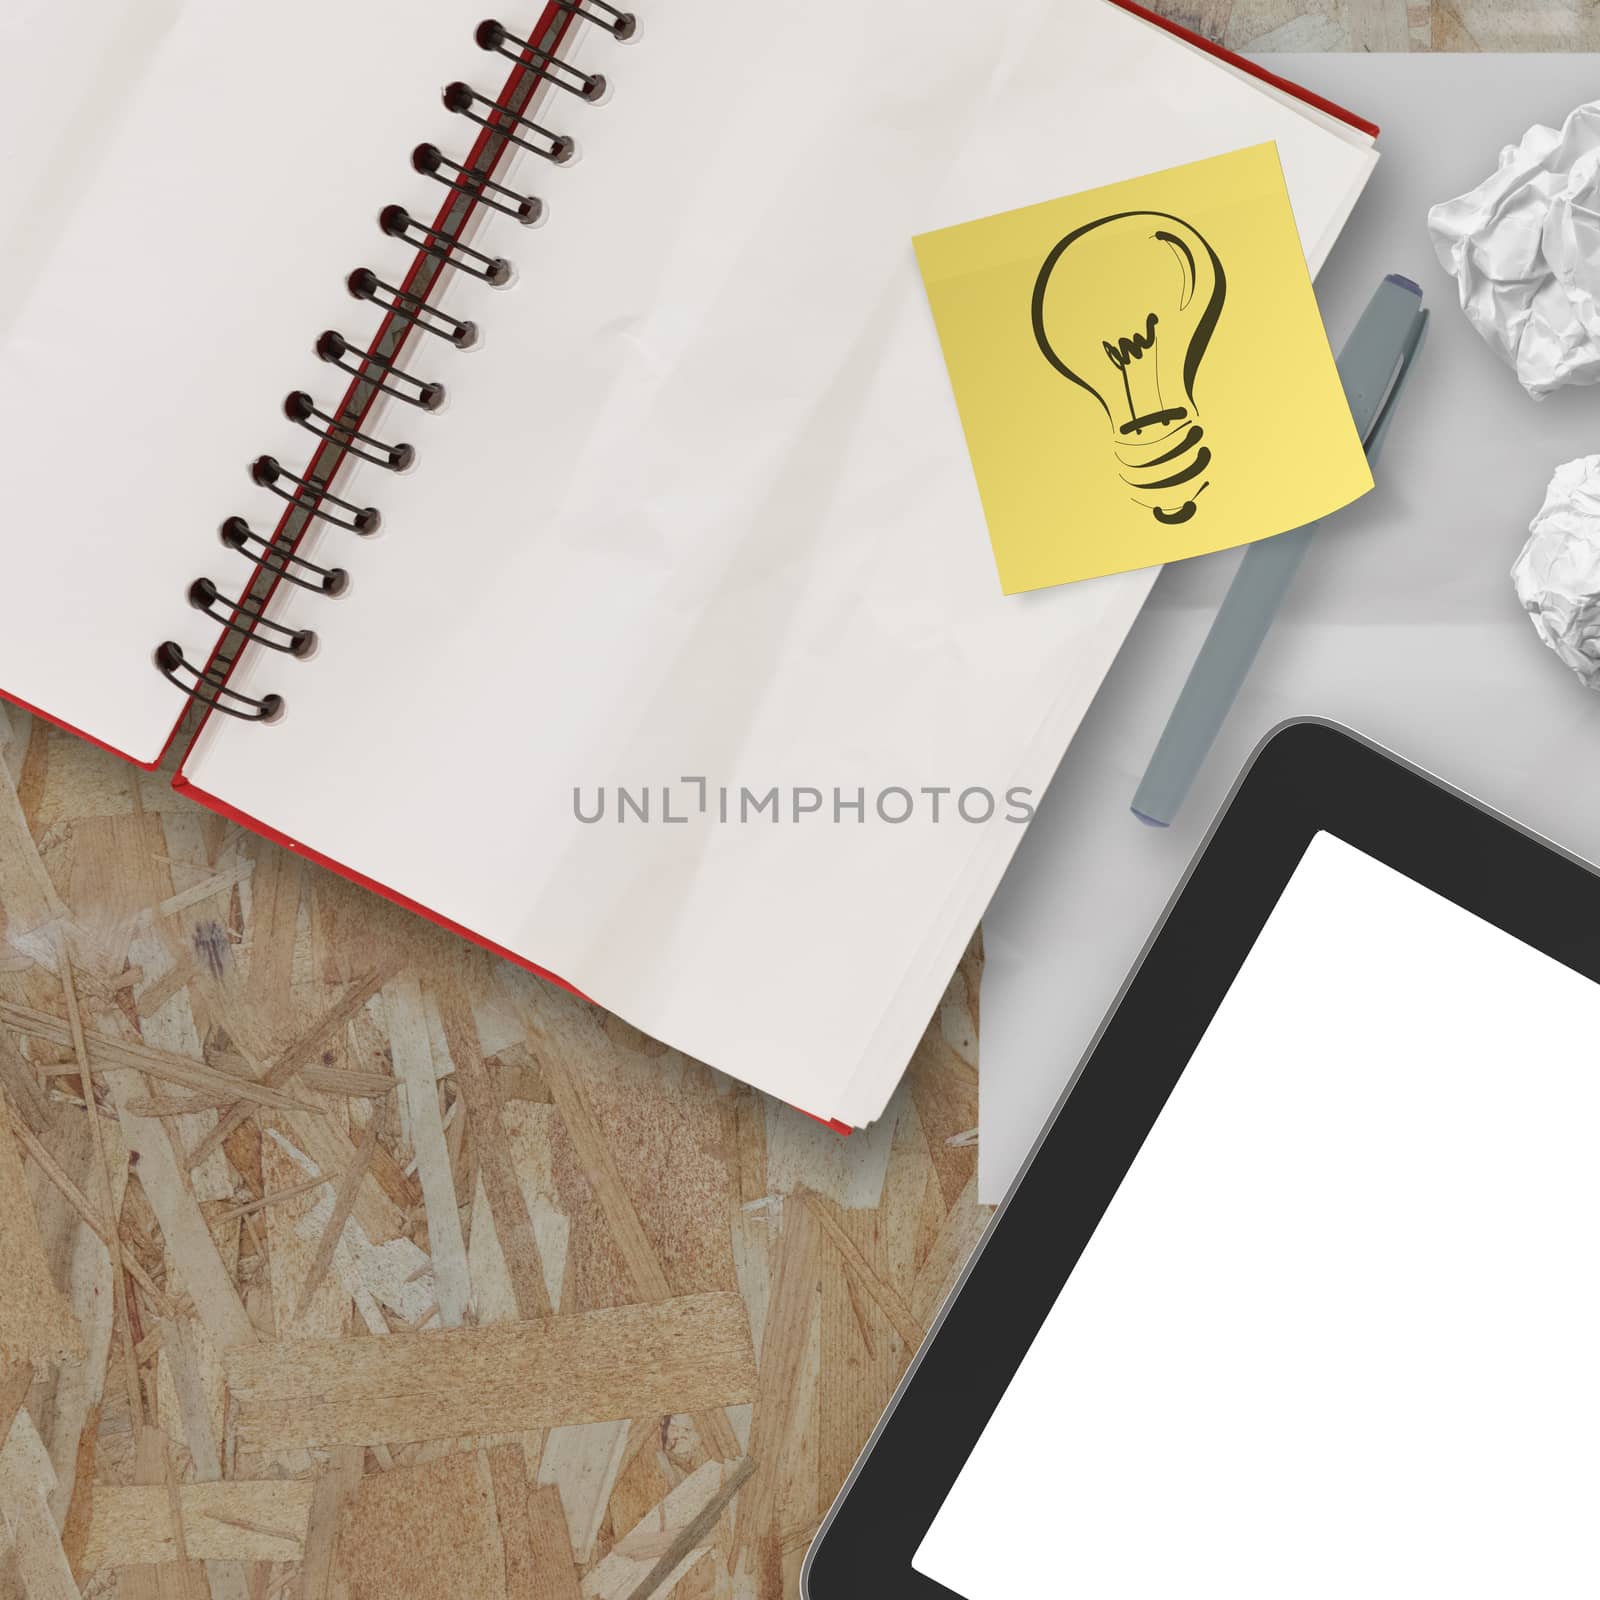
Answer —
1125 307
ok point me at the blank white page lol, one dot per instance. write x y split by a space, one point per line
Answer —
1336 1333
202 233
701 507
66 78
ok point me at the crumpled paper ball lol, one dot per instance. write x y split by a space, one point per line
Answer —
1524 249
1557 576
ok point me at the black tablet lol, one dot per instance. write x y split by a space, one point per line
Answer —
1299 1292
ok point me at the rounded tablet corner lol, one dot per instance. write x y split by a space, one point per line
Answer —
849 1554
1295 732
809 1589
1294 740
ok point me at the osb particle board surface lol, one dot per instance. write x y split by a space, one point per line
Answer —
382 1268
1390 25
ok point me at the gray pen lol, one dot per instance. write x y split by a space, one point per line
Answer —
1372 367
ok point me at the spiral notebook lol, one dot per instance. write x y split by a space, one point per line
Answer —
504 425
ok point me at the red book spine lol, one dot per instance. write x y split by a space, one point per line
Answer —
1244 64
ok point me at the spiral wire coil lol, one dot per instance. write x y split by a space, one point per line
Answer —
375 370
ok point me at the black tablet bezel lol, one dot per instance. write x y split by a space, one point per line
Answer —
1307 777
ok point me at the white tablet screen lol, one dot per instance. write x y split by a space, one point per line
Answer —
1339 1331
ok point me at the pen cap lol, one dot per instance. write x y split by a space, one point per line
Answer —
1379 345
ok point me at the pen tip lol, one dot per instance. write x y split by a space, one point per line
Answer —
1148 821
1401 282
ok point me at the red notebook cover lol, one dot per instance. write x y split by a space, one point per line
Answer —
1254 68
554 23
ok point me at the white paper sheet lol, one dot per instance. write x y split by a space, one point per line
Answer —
204 218
67 74
700 507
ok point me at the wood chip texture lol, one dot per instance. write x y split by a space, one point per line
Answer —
428 1278
35 1321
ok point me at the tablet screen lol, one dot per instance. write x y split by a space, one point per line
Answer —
1339 1330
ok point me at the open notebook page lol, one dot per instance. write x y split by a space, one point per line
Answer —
202 235
701 508
64 88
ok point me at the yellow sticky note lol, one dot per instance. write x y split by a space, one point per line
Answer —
1142 372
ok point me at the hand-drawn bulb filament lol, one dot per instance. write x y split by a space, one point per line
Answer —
1124 307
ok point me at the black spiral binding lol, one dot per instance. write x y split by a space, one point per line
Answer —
374 369
429 160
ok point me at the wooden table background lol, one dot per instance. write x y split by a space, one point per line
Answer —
503 1152
322 1119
